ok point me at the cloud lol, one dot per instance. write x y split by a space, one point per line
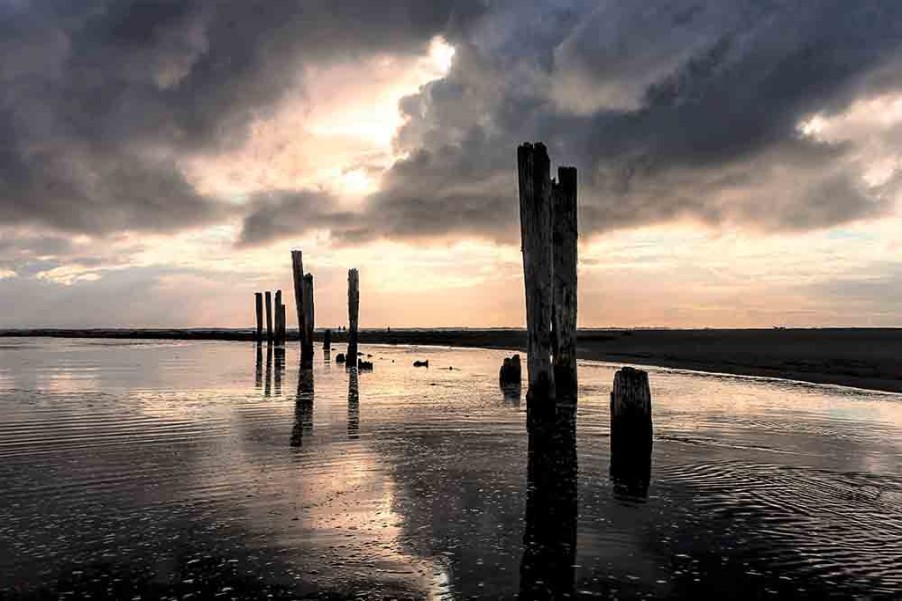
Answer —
689 110
101 100
285 213
685 110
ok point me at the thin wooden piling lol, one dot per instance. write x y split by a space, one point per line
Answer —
353 311
564 252
307 344
533 169
277 336
327 340
297 270
282 324
258 304
269 315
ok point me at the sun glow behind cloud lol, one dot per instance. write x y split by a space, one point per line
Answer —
334 132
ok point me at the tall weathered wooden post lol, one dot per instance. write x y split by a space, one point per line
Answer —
277 338
327 340
297 270
308 324
269 315
564 251
258 305
353 310
533 169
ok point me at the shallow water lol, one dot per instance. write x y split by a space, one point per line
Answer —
170 469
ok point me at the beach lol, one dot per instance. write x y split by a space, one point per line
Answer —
869 358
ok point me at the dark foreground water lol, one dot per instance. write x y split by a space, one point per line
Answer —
190 470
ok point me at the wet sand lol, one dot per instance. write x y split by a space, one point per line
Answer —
869 358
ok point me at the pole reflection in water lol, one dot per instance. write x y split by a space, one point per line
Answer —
353 405
258 367
631 472
303 408
280 369
546 570
512 393
327 356
267 390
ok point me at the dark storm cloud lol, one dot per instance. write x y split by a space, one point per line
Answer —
100 99
282 214
683 109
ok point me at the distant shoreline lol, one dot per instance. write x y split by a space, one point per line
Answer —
869 358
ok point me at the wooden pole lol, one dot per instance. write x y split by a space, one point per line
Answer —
631 431
327 340
278 317
297 270
258 303
269 315
353 310
564 251
533 169
282 322
307 344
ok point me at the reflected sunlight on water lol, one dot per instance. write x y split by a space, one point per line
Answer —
176 468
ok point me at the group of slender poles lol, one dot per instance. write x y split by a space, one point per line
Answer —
303 297
275 316
548 227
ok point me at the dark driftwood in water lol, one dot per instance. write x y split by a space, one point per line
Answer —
421 363
364 365
533 169
307 336
631 424
327 340
511 372
269 315
258 305
297 272
564 251
353 313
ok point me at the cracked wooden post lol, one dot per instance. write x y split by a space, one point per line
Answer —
353 310
564 235
297 271
269 315
258 303
307 345
535 228
277 337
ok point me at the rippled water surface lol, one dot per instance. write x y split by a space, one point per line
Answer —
172 469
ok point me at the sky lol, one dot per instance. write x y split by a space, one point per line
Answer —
740 161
